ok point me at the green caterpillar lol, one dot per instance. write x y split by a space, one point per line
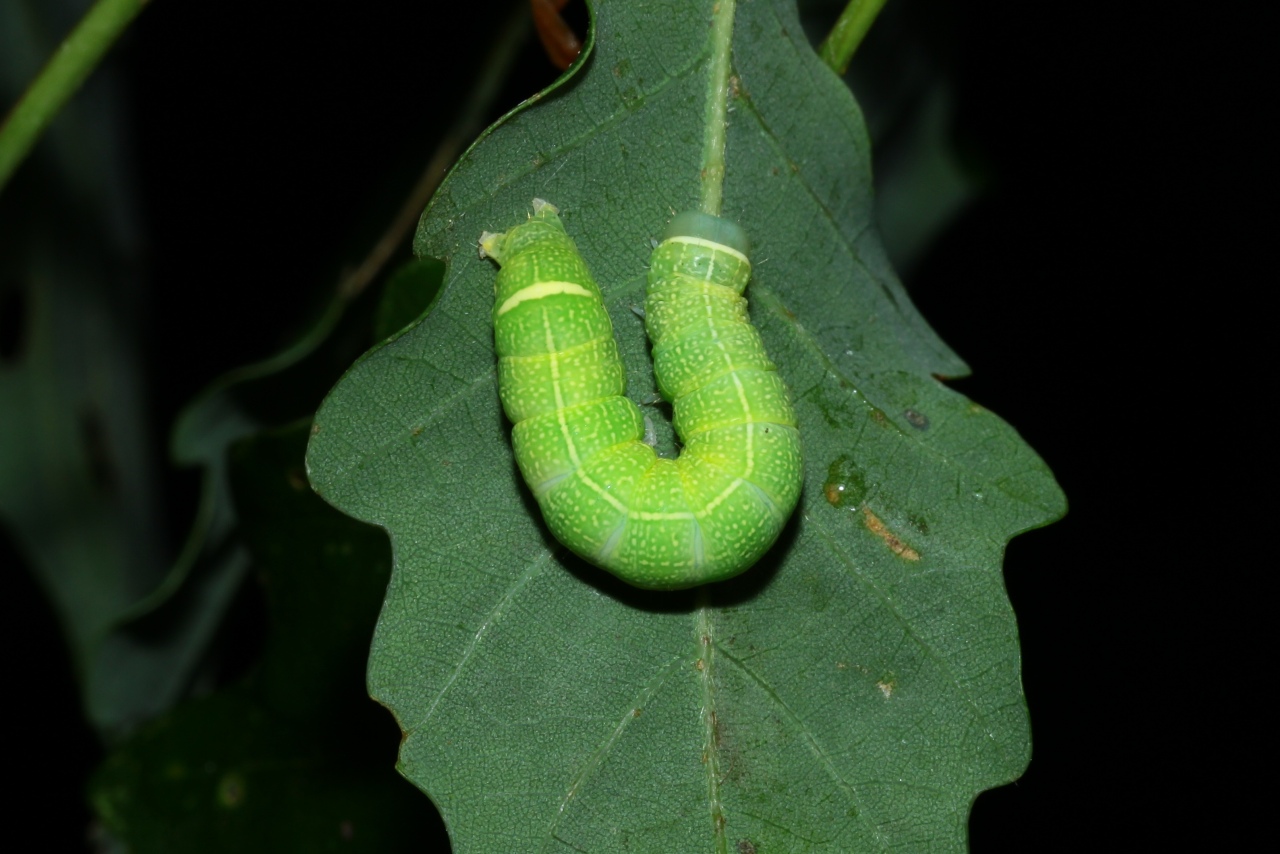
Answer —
655 523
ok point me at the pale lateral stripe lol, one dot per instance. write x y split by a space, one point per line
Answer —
719 499
570 445
540 290
659 517
550 341
633 514
630 514
709 244
751 433
732 488
612 500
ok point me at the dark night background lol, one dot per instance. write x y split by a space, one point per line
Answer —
266 134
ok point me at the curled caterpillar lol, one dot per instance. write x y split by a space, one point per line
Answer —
655 523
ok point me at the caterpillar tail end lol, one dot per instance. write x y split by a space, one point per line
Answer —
491 245
541 205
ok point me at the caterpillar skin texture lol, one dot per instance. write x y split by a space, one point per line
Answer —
655 523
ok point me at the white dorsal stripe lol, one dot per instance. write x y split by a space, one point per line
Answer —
540 290
709 244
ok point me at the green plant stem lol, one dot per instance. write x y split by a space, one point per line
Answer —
712 178
843 40
61 76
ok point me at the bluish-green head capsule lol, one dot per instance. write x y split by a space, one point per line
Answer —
708 227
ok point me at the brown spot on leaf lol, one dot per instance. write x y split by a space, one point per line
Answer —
897 546
745 846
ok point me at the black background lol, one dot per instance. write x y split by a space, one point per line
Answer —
1087 290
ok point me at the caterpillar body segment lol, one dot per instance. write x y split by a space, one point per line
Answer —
579 441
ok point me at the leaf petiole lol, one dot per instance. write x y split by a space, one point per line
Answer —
717 108
840 44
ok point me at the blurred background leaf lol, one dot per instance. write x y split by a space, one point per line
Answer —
295 757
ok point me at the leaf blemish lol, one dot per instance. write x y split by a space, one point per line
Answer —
897 546
916 419
846 484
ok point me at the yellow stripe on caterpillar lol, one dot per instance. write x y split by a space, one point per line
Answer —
540 290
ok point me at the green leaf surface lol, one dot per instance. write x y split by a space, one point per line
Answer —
295 758
409 292
852 692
